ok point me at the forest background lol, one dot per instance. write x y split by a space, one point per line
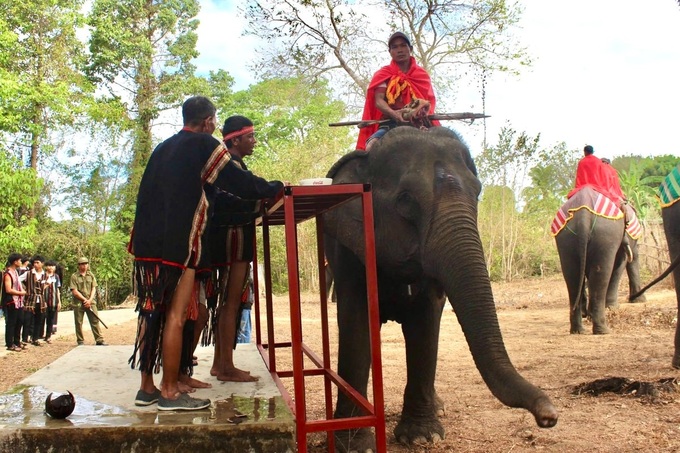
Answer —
89 88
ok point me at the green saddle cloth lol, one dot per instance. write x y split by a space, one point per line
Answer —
669 190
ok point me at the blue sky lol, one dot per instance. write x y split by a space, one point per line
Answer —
606 73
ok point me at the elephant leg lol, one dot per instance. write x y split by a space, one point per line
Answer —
577 311
620 263
419 418
583 303
354 358
574 280
598 285
633 271
330 287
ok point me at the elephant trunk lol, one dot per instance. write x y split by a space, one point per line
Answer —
455 256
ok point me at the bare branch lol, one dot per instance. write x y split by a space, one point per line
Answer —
332 39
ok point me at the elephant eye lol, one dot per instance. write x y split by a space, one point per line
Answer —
408 207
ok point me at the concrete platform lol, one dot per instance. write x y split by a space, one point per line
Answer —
243 417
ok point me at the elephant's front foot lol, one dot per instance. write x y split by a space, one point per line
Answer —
412 431
676 360
600 329
355 441
640 298
576 326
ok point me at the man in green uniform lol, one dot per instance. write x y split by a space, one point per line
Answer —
83 287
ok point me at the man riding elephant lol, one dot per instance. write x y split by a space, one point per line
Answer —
394 91
603 178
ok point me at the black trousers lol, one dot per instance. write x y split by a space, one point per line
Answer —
12 326
46 329
26 324
38 320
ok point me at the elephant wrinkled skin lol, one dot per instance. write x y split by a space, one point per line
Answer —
425 191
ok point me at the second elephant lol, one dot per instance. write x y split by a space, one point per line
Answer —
592 253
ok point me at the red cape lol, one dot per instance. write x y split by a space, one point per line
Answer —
416 76
591 171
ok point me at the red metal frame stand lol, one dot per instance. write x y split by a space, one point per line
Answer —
297 204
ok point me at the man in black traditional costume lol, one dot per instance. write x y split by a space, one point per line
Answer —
232 242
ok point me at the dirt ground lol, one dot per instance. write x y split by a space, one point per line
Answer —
533 315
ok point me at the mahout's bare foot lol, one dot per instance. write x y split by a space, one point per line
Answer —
214 371
185 388
194 383
236 375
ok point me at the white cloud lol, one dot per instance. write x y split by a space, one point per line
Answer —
221 43
605 74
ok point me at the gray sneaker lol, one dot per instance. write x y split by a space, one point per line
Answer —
183 403
147 399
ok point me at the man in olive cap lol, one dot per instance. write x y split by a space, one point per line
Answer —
84 288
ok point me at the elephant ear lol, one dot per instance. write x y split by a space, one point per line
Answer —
355 163
464 150
353 168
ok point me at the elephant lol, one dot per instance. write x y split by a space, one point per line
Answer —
330 288
592 251
671 226
425 192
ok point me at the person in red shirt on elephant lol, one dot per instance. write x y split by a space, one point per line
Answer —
392 88
591 171
614 186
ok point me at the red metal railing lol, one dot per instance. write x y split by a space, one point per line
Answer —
297 204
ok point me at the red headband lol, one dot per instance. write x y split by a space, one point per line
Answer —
238 133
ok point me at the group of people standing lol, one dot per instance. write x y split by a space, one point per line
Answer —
193 240
32 300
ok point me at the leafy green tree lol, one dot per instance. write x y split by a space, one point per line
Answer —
330 39
552 177
67 240
141 53
503 170
42 58
495 208
291 119
638 190
654 166
19 191
93 188
640 178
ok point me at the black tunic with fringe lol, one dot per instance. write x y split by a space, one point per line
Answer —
173 210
